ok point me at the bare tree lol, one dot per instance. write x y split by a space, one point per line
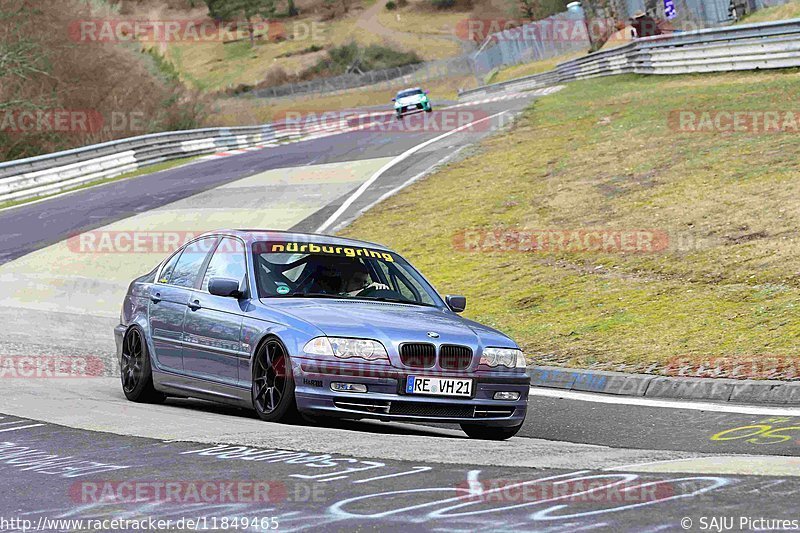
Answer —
242 9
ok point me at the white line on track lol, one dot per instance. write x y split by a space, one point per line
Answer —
405 155
669 404
408 182
21 427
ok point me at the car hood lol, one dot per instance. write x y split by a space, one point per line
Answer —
390 323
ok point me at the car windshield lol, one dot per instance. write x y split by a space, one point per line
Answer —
298 270
409 92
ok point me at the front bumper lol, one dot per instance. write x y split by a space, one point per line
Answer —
385 398
411 107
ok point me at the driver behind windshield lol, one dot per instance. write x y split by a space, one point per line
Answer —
345 278
355 278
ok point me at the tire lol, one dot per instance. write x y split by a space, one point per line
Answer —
398 116
136 373
272 390
429 109
489 432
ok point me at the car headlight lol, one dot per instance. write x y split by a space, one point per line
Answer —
508 357
346 348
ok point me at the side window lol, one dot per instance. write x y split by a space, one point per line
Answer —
188 267
404 289
228 261
401 280
166 272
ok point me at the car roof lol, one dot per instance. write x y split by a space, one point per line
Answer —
409 89
260 235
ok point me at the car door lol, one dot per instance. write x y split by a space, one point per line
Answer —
213 324
169 297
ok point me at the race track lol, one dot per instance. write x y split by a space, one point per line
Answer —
581 462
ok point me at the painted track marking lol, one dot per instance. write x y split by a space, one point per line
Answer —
405 155
669 404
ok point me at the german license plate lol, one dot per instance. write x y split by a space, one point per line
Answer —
438 386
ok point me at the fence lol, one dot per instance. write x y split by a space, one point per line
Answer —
537 41
392 77
531 42
745 47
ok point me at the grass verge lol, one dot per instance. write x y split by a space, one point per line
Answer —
603 154
789 10
529 69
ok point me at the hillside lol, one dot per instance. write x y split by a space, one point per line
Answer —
696 228
57 92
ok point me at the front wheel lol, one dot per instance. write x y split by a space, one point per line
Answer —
489 432
136 371
429 109
273 385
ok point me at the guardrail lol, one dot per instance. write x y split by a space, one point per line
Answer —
53 173
747 47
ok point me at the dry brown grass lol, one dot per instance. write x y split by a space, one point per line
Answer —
106 79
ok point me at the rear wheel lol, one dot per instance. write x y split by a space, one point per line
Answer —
136 372
273 386
489 432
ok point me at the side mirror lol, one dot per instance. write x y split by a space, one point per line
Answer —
394 99
456 303
229 288
426 92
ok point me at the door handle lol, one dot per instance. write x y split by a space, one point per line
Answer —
194 305
155 297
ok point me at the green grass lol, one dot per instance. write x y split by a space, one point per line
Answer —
528 69
140 172
790 10
600 154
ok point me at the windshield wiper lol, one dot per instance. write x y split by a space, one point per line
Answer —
313 295
394 300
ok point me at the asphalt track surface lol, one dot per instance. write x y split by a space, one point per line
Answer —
577 464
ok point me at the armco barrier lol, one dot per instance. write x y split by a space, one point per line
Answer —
747 47
53 173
